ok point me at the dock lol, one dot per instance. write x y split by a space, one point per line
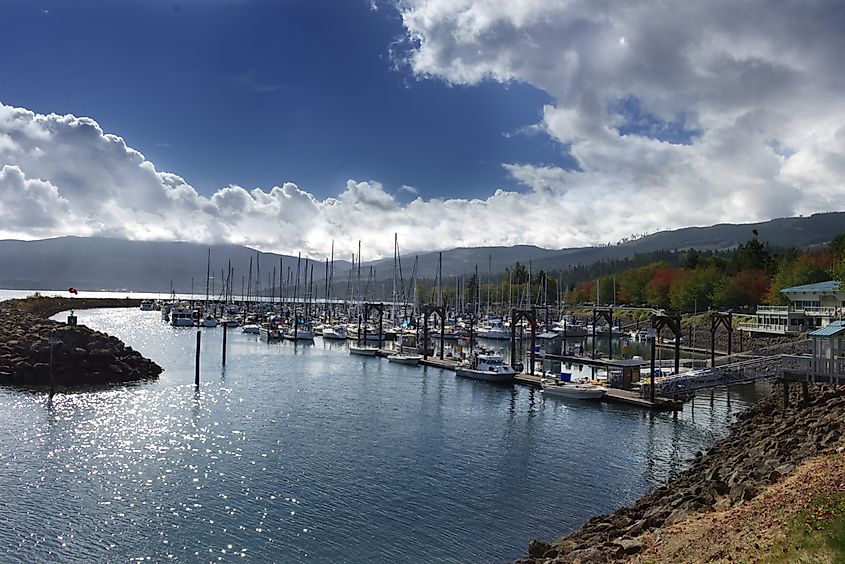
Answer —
611 395
614 395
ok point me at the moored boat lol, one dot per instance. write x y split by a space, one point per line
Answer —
563 388
488 368
181 317
336 333
403 358
362 351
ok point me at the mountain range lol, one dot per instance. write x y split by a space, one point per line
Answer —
156 266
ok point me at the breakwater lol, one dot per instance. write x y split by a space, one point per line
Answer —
765 444
32 347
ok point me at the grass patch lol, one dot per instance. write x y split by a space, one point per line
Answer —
815 534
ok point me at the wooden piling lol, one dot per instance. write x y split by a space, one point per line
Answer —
52 342
197 363
805 390
225 332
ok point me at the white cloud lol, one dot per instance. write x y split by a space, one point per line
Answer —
758 87
64 175
748 78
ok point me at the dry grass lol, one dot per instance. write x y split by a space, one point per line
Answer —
799 519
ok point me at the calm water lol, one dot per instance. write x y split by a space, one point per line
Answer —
305 453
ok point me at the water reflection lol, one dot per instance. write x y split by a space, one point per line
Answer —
301 453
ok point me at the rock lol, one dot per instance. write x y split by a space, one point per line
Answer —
537 548
637 528
629 546
720 487
785 469
587 556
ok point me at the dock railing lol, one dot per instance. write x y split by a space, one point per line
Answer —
765 327
742 372
810 369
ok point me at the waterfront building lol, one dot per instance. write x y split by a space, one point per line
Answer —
811 307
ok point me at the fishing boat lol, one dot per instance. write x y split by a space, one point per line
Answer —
487 367
270 332
335 333
181 317
563 388
148 305
404 358
362 351
495 330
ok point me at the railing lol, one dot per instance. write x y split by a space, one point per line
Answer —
766 328
821 311
737 373
772 309
813 369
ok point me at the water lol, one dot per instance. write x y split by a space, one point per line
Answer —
297 453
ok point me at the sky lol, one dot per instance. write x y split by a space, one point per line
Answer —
286 125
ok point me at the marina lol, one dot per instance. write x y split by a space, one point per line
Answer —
287 427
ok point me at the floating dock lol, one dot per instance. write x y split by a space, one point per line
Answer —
614 395
611 395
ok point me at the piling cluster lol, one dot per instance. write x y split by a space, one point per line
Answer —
79 355
766 443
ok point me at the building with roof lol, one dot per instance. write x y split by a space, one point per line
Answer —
811 307
829 349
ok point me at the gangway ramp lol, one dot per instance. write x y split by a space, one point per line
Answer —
742 372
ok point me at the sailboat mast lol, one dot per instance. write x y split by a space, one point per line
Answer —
207 276
395 260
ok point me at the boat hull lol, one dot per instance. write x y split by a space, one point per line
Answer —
362 351
408 360
486 375
573 392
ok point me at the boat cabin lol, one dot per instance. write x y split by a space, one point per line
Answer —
623 373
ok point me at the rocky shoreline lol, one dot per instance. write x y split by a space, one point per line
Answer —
766 443
80 356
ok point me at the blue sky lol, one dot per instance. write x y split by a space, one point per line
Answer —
287 125
256 93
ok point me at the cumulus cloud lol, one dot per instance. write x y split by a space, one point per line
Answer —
64 175
676 114
736 83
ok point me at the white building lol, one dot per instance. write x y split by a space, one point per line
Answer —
812 306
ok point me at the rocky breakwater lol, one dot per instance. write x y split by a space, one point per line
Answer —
81 356
765 444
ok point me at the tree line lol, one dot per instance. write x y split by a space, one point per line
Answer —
753 273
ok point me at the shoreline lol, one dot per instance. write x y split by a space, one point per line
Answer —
36 351
762 448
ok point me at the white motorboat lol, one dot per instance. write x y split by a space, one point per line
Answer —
181 317
336 333
572 390
251 329
303 331
495 330
148 305
362 351
402 358
270 332
487 367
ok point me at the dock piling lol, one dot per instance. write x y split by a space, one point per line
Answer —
197 363
225 332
